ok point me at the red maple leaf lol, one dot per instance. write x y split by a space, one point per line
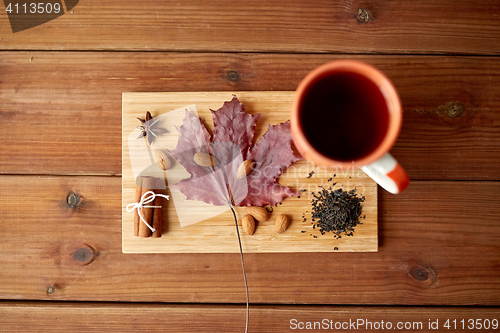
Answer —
231 144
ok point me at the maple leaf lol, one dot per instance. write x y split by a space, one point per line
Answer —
234 130
272 155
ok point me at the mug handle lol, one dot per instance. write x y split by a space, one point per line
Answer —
388 173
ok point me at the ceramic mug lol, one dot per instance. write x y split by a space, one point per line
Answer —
348 114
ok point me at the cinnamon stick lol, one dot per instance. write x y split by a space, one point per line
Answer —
157 212
138 194
148 184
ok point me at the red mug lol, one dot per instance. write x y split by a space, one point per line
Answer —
348 114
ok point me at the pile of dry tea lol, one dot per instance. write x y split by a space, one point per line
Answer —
336 211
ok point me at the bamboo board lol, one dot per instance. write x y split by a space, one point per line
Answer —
215 232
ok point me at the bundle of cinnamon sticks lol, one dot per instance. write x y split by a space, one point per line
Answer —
151 215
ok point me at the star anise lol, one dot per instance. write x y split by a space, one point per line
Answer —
147 128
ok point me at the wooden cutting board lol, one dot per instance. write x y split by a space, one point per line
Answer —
215 231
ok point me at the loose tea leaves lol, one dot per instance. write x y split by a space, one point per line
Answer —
336 211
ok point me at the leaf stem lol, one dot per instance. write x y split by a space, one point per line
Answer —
243 267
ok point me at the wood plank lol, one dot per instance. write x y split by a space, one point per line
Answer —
438 244
407 26
72 101
215 224
112 317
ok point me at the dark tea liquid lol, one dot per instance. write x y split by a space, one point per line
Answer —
344 116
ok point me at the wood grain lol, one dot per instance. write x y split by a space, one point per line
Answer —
438 244
407 26
110 317
72 101
214 227
60 114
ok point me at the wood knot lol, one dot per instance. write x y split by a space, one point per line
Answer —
82 254
232 76
73 200
454 110
419 273
451 110
425 275
363 15
85 255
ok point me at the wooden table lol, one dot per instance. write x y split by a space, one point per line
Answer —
61 263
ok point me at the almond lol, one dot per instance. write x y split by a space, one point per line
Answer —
248 224
161 159
245 168
205 160
281 223
259 213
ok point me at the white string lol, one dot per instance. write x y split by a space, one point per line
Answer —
143 204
